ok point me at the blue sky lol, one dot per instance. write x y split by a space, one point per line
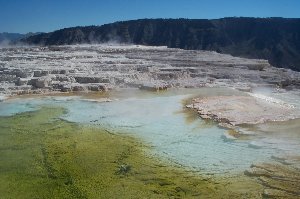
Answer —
47 15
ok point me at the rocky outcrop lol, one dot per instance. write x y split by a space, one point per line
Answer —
22 81
41 82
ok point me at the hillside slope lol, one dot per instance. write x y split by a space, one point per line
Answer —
274 39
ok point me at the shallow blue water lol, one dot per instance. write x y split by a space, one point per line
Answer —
160 122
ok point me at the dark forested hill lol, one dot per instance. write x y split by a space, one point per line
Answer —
275 39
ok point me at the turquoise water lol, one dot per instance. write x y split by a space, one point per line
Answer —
159 120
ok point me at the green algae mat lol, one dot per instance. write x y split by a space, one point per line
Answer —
42 156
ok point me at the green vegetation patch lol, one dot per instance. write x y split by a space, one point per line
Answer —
42 156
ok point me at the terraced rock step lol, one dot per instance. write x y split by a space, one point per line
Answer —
27 70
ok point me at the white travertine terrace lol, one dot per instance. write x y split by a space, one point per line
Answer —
27 70
237 110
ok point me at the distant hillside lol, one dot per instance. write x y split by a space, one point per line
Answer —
8 38
275 39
